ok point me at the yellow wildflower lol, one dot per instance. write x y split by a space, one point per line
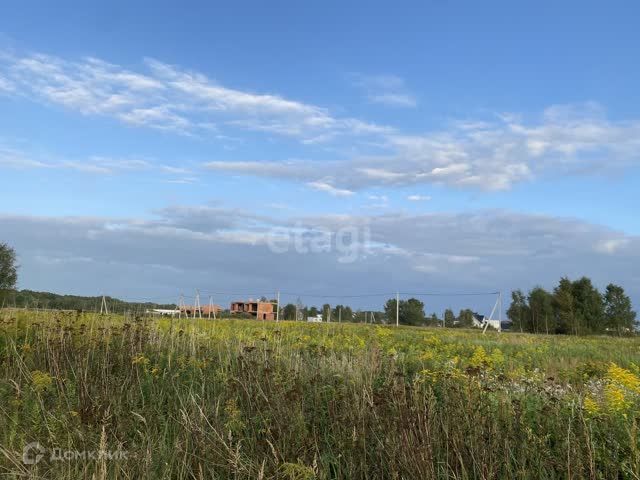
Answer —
479 358
41 380
591 406
623 377
428 355
615 398
497 357
140 360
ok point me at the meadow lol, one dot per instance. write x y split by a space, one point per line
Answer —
244 399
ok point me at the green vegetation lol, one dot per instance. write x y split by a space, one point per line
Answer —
251 399
8 267
575 308
47 300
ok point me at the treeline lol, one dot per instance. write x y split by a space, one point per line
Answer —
410 312
31 299
573 308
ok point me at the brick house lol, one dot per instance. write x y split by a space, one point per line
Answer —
257 309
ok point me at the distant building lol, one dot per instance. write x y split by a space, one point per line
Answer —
163 312
255 308
479 321
316 319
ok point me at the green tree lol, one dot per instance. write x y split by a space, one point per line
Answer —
541 311
346 315
465 318
433 320
411 311
564 307
390 309
449 318
289 312
589 306
326 312
341 313
8 267
619 316
518 311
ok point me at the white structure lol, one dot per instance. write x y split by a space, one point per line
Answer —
316 319
163 312
491 322
480 321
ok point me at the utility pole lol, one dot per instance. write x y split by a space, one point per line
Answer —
340 314
278 307
397 309
500 318
211 308
180 305
103 306
197 305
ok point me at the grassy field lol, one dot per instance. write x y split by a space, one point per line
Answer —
244 399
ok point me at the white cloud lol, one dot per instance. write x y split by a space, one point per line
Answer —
478 153
418 198
380 198
389 90
330 189
484 155
611 246
169 98
95 164
394 99
5 85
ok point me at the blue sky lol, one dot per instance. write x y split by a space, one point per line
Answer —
476 146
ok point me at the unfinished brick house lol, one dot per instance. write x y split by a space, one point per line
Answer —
259 310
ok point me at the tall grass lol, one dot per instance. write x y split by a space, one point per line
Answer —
247 399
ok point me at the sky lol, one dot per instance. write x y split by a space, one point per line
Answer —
149 149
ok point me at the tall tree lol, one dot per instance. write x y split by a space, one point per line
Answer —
411 311
589 307
390 309
8 269
619 315
518 311
289 311
449 318
342 313
564 307
541 311
465 318
326 312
